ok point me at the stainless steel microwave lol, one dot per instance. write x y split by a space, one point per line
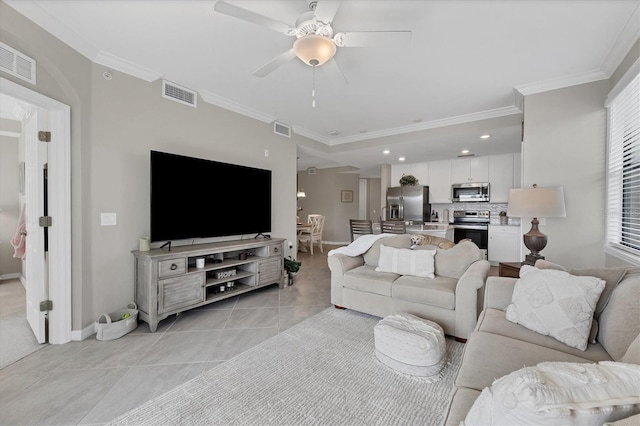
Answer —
473 192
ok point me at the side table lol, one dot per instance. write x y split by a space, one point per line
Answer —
509 269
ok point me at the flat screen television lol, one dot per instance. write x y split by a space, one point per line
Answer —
198 198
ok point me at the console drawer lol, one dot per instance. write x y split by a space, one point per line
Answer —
169 268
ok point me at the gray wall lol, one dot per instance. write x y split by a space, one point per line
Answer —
562 129
114 125
9 205
323 196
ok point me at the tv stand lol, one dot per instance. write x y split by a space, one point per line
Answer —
167 283
168 243
265 236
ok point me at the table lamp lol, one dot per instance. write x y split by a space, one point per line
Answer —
536 202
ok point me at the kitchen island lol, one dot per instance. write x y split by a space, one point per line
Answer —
436 229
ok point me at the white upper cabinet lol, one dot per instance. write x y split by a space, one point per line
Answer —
397 170
421 172
471 169
501 177
440 181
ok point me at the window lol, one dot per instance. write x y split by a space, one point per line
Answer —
623 169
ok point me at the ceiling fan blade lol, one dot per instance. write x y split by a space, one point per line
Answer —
246 15
326 10
333 71
372 38
275 63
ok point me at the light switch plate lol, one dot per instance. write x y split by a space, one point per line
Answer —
108 219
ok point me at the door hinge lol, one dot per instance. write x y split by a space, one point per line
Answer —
45 221
46 305
44 136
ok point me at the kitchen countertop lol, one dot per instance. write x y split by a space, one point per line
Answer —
433 226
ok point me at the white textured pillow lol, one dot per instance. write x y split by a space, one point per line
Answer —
406 261
555 303
560 393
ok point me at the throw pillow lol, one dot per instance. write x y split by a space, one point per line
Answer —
418 263
555 303
560 393
372 255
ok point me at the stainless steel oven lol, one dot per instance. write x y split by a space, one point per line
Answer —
474 225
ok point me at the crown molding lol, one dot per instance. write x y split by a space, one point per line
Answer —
127 67
562 82
450 121
213 99
627 38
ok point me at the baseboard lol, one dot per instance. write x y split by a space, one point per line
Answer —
78 335
10 276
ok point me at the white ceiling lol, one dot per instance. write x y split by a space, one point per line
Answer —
467 64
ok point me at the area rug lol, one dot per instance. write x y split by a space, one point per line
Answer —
322 371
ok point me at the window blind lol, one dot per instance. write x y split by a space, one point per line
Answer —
623 172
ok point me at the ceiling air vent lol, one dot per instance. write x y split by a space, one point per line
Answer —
281 129
179 94
17 64
466 155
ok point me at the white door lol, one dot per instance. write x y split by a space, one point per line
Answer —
362 199
36 269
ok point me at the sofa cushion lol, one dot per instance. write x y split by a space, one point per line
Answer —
488 356
365 278
494 321
554 393
462 401
455 261
439 291
611 276
418 263
632 355
372 255
555 303
620 321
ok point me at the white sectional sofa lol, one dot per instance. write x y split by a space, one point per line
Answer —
499 347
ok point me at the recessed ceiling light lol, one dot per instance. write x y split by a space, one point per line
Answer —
334 133
401 159
386 151
465 151
487 136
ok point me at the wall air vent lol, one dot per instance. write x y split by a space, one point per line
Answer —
17 64
179 94
312 170
281 129
466 155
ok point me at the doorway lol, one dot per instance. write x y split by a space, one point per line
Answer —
53 282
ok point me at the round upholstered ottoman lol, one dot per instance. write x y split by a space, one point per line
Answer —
410 345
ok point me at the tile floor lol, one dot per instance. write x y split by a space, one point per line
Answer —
92 382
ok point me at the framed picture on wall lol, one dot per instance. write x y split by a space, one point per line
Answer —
346 196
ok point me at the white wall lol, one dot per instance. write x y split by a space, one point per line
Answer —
565 144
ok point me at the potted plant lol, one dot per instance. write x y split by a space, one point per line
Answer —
292 266
408 180
504 220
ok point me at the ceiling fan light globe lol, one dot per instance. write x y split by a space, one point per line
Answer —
312 47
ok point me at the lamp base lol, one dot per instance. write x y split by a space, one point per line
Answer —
531 259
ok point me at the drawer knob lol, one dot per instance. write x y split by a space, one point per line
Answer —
275 250
173 267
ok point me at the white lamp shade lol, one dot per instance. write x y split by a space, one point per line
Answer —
314 47
536 202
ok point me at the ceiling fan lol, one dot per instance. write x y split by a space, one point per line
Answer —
315 43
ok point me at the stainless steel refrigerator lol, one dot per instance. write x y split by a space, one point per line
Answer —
408 203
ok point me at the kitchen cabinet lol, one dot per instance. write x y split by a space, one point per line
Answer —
421 172
397 171
501 177
440 181
471 169
504 244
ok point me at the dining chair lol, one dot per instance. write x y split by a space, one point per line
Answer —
360 227
314 233
393 227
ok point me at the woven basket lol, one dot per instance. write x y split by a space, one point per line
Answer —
112 326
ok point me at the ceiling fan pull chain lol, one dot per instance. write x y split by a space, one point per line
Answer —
313 89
